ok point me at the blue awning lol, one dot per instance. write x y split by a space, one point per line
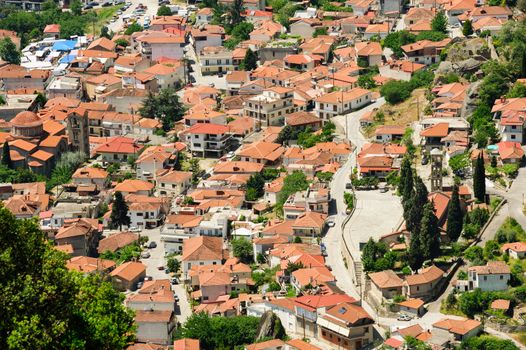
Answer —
68 58
64 45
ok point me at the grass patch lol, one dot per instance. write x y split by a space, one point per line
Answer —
401 114
520 337
103 17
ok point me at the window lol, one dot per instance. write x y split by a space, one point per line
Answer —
512 137
417 288
485 278
501 277
334 108
207 62
139 214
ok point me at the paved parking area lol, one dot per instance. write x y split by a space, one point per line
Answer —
376 214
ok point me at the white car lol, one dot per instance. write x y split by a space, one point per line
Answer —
331 223
230 154
145 255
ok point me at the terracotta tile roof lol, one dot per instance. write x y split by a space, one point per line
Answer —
500 304
87 264
51 141
336 96
132 186
390 130
123 145
386 279
348 313
301 118
298 344
378 28
183 220
269 344
154 286
83 227
238 167
42 155
280 228
423 44
175 177
104 43
427 275
208 128
368 48
187 344
105 79
202 248
129 271
23 145
117 241
393 343
310 219
160 296
153 316
52 28
313 276
519 247
491 268
262 150
437 130
90 173
412 303
510 150
460 327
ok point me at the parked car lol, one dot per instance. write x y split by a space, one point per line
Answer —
145 255
160 267
348 186
148 278
176 298
152 245
404 317
139 285
331 223
174 280
425 160
87 7
230 154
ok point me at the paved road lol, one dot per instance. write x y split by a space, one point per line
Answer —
183 310
151 11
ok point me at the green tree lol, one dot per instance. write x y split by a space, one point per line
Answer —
132 28
236 12
55 308
76 7
319 31
406 179
439 22
255 187
105 33
467 28
517 91
479 179
395 91
164 106
431 35
173 264
396 40
250 62
8 51
429 233
6 156
487 342
242 249
119 212
164 11
366 81
414 207
297 181
122 42
286 134
455 216
372 251
474 253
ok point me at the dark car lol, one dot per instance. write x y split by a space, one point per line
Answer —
206 176
87 7
425 160
152 245
348 186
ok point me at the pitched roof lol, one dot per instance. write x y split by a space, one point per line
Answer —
132 185
88 264
117 241
262 150
208 128
310 219
187 344
386 279
203 248
515 246
129 271
437 130
348 313
427 275
491 267
412 303
90 173
457 326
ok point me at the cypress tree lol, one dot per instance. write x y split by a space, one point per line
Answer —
413 208
406 179
479 179
414 254
429 233
454 216
119 212
6 156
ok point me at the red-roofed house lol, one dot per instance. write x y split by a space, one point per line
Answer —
208 139
516 250
510 152
52 31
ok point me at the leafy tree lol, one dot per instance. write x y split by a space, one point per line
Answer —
242 249
455 217
55 308
124 254
286 134
319 31
518 90
487 342
479 179
431 35
76 7
297 181
270 174
119 212
132 28
236 11
164 11
173 264
371 253
255 186
8 51
439 22
324 176
285 14
491 250
195 169
164 106
396 40
122 42
474 253
429 233
396 91
467 28
6 156
459 162
297 239
220 332
242 31
366 81
250 62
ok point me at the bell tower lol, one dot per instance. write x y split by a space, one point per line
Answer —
436 169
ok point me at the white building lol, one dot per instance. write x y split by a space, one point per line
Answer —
493 276
270 107
341 102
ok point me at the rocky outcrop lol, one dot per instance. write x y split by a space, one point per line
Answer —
470 102
270 327
465 57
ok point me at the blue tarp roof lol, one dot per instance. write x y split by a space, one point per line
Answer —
67 58
64 45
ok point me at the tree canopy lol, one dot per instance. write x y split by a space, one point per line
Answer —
242 249
439 22
164 106
8 51
119 212
54 308
164 11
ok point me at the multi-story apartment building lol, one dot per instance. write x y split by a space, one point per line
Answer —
209 139
341 102
215 59
270 107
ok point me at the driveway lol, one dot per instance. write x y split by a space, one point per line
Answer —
151 11
207 80
183 310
